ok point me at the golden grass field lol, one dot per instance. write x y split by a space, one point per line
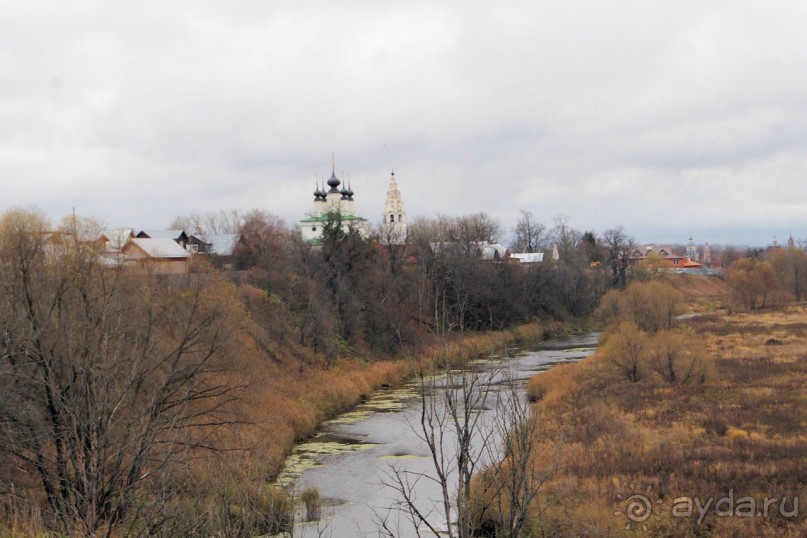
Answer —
739 438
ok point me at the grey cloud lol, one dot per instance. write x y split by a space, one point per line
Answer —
613 113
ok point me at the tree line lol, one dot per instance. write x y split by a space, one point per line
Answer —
771 278
376 294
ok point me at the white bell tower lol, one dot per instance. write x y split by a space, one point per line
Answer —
393 221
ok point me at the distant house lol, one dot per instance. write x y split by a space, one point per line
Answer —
492 251
110 243
528 257
114 240
663 257
215 244
196 245
177 235
161 256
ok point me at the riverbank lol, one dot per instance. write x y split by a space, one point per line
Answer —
349 460
640 458
287 405
289 408
302 404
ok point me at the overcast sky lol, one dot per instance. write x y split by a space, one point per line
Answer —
670 118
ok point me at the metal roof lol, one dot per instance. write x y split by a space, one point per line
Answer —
528 257
222 244
162 234
117 238
160 248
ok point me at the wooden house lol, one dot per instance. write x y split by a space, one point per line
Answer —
156 256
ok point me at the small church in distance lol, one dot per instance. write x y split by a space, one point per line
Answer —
336 200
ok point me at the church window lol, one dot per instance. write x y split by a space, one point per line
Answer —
399 217
392 218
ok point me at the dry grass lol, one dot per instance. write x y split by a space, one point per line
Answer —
702 293
742 433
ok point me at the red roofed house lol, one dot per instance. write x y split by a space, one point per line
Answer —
663 256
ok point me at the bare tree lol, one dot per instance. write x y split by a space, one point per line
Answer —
627 349
108 380
477 227
209 223
753 282
466 439
520 466
394 245
427 230
619 247
566 238
452 429
678 357
263 241
528 234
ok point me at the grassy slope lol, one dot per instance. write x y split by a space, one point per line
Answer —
742 432
702 293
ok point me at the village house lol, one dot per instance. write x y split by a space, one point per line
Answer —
113 240
156 256
662 258
153 255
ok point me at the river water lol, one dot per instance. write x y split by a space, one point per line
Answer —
352 456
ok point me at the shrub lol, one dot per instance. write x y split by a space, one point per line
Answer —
679 357
627 349
311 500
276 509
652 306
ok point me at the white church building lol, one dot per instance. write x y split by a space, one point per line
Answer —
340 200
334 200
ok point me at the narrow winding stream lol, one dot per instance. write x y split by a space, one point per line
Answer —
349 458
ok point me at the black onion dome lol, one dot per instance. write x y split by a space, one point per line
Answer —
349 192
334 182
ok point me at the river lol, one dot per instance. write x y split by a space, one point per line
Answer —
351 456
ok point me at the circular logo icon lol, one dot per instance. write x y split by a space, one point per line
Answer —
638 508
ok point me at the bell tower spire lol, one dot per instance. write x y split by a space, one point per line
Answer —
393 220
